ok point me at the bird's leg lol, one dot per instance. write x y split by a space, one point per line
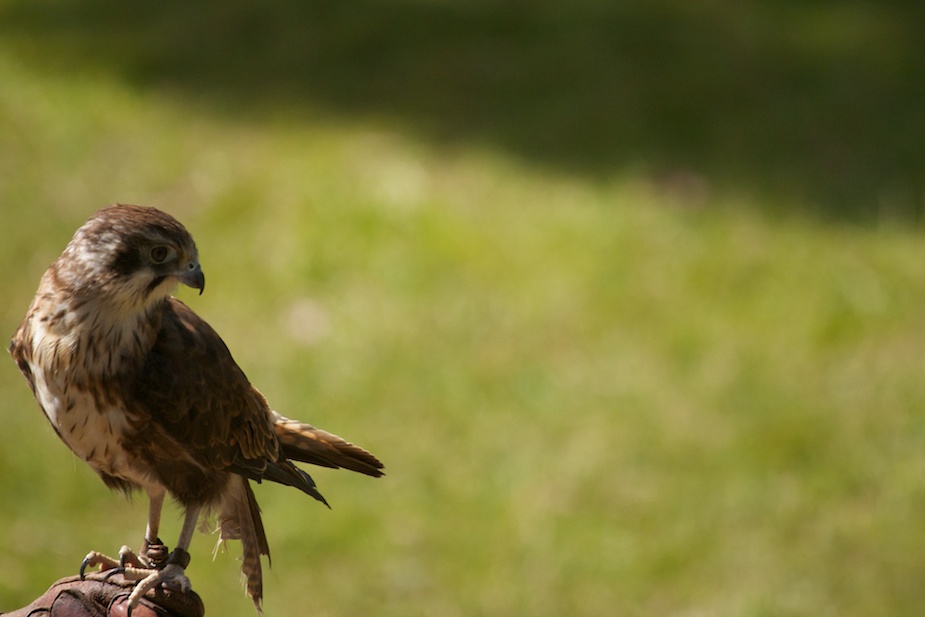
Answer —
153 553
172 575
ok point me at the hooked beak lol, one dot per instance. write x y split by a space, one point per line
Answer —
193 277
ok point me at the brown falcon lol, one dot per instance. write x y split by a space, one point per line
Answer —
145 391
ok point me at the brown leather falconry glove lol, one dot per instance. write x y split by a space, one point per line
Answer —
105 594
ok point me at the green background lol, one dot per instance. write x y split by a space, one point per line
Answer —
628 296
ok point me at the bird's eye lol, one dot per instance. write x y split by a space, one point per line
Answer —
160 253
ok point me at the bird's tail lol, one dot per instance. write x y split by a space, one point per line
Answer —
305 443
239 519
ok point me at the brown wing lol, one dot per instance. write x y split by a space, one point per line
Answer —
200 410
192 386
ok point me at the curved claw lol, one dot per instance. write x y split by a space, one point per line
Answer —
99 559
83 567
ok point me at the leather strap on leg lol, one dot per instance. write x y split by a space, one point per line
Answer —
179 557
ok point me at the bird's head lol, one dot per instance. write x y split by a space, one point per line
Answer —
131 255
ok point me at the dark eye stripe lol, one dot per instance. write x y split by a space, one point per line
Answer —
154 284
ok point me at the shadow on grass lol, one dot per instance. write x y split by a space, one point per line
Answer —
808 102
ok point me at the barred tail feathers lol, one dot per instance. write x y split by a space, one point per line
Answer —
305 443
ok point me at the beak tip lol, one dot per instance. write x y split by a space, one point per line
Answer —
194 278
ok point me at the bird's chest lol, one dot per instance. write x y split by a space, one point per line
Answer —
86 411
91 426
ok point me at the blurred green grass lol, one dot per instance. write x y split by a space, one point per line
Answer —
593 395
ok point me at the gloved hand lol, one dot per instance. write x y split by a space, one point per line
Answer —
105 594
